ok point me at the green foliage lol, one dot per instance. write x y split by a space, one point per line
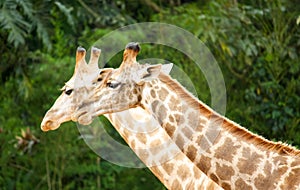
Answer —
256 47
20 18
256 44
12 20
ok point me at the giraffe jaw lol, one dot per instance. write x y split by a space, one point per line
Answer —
84 119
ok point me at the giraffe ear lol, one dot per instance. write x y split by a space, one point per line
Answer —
166 68
147 73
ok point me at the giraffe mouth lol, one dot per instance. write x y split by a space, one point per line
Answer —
83 118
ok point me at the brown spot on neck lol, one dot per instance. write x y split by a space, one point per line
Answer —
153 93
191 153
227 151
224 172
204 164
163 93
242 185
183 172
170 129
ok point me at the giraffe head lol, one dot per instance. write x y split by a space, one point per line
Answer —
76 90
122 89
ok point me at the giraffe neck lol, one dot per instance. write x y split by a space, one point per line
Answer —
229 154
177 172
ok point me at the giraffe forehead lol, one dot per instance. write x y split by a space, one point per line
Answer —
70 83
126 73
113 75
104 77
83 80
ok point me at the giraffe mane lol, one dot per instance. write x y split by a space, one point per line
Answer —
228 125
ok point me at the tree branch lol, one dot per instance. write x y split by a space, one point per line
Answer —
153 5
89 9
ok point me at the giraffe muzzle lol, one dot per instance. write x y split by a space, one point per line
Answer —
49 125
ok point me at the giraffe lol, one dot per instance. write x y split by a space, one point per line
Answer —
226 152
165 160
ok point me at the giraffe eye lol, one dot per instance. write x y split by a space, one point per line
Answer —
113 85
69 92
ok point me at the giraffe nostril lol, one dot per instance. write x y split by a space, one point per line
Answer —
47 125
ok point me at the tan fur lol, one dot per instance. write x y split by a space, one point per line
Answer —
229 125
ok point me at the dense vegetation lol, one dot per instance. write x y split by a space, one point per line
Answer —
256 44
